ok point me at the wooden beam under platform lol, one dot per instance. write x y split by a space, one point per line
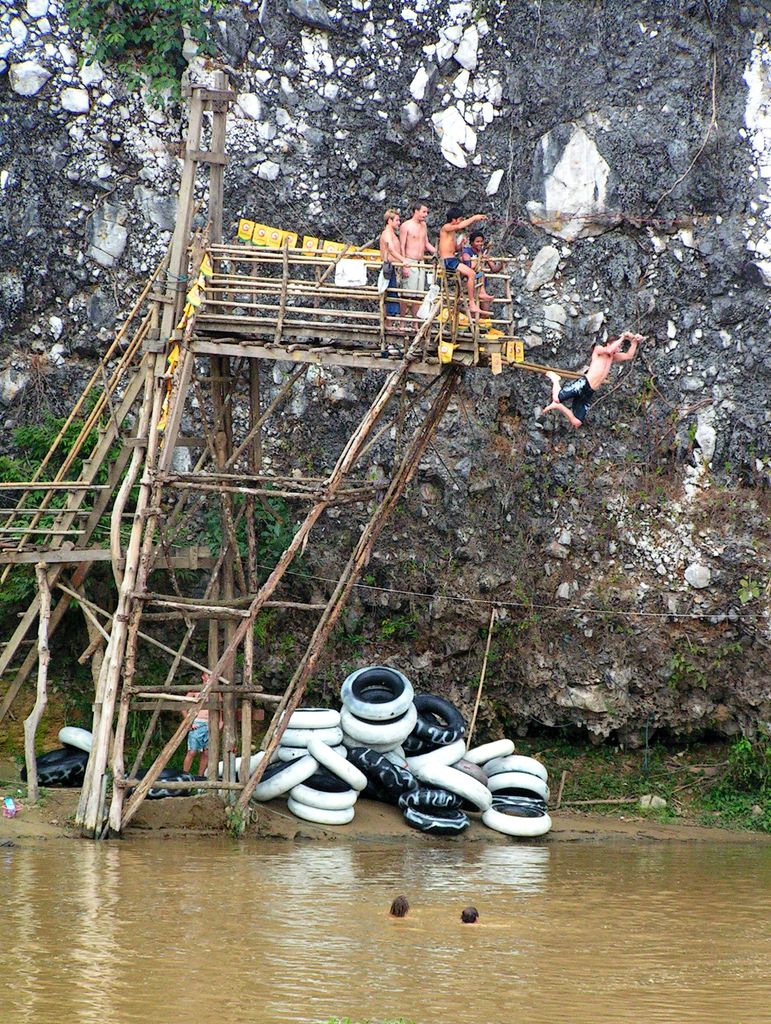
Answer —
225 346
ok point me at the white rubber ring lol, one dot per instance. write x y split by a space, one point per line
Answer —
254 760
518 780
376 712
445 777
300 737
314 718
516 763
512 825
442 755
381 748
498 748
287 779
337 765
397 756
318 815
72 736
295 753
367 733
324 801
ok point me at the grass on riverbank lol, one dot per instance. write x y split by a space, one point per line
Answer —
717 784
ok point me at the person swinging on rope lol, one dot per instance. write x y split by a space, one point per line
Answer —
581 392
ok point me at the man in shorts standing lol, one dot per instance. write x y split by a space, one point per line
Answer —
391 255
581 392
198 737
415 244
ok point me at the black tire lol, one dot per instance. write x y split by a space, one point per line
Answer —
325 782
518 794
64 767
437 823
412 746
430 798
439 722
171 775
525 806
391 778
379 795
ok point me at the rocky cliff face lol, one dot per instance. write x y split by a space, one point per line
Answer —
621 150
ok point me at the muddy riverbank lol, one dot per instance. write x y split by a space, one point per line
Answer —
53 817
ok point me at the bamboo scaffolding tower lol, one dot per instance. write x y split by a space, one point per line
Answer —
193 370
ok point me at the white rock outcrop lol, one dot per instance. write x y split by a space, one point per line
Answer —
28 77
466 54
543 268
494 183
251 105
457 139
574 185
698 576
75 101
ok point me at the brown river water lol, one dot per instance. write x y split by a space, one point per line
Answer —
215 932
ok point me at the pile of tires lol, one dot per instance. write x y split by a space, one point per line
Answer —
65 766
406 749
312 770
437 782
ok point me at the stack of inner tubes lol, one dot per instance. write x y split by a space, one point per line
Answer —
304 723
378 709
65 766
313 770
519 786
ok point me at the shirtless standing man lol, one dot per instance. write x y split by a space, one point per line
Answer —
448 250
391 255
415 244
582 391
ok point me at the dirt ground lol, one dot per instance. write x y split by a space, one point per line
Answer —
195 816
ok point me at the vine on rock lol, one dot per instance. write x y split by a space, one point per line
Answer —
143 38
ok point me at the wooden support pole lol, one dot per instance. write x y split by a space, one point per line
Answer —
350 575
344 463
481 676
31 723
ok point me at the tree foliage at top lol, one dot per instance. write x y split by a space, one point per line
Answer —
142 38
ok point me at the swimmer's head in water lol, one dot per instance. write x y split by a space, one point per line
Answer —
399 907
469 915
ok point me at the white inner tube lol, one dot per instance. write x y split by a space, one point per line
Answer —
381 748
511 825
367 733
376 712
314 718
254 760
294 753
445 777
519 780
72 736
337 765
498 748
442 755
397 756
303 794
516 763
287 779
319 815
300 737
